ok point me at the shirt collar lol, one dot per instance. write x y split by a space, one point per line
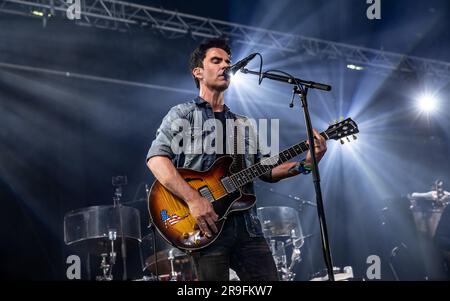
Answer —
201 102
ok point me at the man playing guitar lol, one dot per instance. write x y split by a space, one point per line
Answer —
240 245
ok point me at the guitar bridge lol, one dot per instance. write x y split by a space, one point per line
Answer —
229 186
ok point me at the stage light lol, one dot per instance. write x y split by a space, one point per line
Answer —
37 13
355 67
240 81
427 103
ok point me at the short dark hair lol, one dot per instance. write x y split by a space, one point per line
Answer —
199 54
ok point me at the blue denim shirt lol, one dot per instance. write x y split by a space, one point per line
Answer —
162 146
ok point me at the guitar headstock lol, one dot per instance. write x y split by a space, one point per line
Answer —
342 129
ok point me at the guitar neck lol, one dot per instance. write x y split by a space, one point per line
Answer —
249 174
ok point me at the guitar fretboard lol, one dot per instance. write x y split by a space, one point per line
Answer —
249 174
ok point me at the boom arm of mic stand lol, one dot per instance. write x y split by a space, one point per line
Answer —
289 80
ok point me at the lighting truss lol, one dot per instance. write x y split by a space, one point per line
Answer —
122 16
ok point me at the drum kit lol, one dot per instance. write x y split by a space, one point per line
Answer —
99 230
107 231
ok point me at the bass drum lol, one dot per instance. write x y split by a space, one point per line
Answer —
173 264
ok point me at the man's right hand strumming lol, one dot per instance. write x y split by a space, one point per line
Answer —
203 212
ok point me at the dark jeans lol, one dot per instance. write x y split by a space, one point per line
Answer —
249 257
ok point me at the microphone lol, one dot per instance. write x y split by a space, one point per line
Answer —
239 65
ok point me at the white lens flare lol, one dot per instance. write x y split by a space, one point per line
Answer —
427 103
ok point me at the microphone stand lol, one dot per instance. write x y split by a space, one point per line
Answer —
315 169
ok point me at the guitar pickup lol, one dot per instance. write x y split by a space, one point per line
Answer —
206 193
229 186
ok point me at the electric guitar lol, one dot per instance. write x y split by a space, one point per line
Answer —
171 215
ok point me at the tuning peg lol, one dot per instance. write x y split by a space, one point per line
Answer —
342 118
342 141
336 121
354 137
348 139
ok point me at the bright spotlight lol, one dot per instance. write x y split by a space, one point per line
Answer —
37 13
355 67
427 103
237 78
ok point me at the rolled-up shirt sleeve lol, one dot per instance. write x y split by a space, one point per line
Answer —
162 144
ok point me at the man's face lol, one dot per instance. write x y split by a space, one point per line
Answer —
214 64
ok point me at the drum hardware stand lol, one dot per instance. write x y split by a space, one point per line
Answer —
391 265
118 182
173 273
152 227
296 254
107 266
279 253
295 258
300 87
